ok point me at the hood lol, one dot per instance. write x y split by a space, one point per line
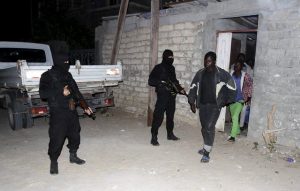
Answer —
60 58
168 57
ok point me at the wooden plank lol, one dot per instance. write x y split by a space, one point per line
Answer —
239 31
169 4
117 40
153 54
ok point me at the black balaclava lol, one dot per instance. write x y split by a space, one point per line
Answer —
168 53
60 58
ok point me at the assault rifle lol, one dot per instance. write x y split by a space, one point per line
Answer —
174 88
177 89
79 100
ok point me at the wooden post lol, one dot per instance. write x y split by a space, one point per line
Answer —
153 54
121 21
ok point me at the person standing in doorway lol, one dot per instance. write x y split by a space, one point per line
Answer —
58 87
244 90
211 89
246 67
163 78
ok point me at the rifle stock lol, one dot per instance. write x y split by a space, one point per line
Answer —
83 104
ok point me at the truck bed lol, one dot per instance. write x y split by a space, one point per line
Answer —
90 78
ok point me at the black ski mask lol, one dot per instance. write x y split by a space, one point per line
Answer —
168 57
61 59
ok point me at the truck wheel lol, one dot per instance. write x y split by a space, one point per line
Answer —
27 120
5 101
15 119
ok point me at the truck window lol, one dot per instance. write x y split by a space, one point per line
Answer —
15 54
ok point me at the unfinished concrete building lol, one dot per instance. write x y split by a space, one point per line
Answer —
267 31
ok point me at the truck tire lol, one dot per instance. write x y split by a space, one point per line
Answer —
27 120
5 101
19 114
15 119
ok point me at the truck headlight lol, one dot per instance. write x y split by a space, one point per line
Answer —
113 71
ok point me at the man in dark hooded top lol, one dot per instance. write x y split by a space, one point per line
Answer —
163 78
58 87
211 89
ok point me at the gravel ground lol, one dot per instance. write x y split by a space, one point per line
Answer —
119 157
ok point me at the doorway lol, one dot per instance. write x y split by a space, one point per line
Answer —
230 43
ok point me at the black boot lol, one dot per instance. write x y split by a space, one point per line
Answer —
54 167
154 141
171 136
75 159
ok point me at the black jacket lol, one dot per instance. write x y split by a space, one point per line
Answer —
225 88
51 87
162 72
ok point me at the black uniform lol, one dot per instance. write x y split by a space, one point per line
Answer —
160 77
64 121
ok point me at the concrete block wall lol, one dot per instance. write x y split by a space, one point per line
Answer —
277 73
183 38
132 94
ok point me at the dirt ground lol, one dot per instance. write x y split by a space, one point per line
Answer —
119 157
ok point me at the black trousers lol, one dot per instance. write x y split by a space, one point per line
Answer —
165 103
63 124
209 114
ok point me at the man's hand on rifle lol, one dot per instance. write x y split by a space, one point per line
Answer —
66 91
174 88
88 111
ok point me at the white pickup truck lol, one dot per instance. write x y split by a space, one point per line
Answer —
21 65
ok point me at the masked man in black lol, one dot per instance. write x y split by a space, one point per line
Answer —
163 78
58 87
